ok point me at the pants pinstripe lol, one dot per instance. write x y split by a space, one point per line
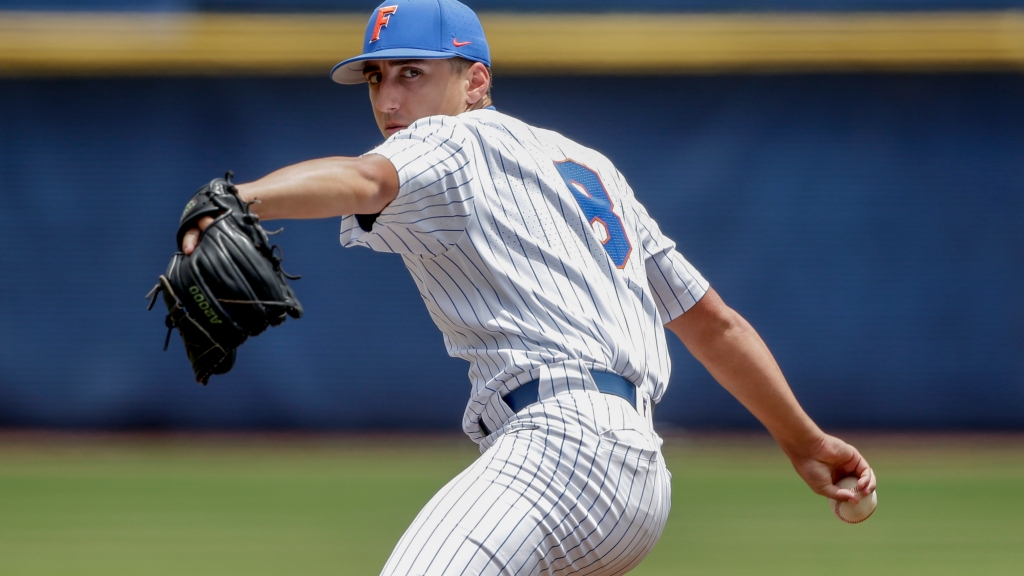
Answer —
574 484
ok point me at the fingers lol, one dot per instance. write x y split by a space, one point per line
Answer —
188 243
191 239
865 485
867 481
857 468
818 476
830 463
841 494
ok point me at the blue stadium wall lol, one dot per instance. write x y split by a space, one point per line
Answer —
868 224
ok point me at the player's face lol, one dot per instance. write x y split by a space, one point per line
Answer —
403 91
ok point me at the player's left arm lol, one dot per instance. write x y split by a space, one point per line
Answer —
324 188
321 188
738 358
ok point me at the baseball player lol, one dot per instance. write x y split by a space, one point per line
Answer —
543 270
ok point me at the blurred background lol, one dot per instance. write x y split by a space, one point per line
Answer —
848 174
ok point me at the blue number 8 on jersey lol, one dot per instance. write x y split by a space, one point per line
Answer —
591 195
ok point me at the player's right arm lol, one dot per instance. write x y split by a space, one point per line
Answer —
732 351
321 188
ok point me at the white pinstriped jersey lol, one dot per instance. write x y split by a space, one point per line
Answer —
533 257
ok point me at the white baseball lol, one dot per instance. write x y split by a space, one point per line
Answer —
850 512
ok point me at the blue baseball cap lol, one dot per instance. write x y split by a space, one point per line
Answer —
417 29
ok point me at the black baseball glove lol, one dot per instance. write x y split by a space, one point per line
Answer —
230 287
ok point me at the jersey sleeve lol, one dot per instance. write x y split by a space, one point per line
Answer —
435 195
675 283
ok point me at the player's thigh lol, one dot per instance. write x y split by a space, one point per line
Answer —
541 503
448 533
610 511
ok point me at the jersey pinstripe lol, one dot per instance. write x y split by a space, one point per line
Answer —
514 272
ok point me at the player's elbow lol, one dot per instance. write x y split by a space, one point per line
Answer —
374 185
707 322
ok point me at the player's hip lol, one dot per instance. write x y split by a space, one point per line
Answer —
589 480
571 485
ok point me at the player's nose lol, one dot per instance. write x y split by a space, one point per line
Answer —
387 100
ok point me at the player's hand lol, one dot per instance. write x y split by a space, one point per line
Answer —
829 460
188 243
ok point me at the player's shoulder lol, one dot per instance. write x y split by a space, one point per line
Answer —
566 149
485 128
432 128
471 123
554 143
490 128
510 126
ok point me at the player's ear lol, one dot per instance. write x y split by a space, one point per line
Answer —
479 82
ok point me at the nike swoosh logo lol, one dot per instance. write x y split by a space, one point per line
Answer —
460 44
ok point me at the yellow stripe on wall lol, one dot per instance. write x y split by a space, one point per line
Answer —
60 44
125 44
762 42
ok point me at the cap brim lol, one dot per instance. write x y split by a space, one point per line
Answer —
351 71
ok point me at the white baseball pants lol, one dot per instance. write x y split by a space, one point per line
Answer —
574 484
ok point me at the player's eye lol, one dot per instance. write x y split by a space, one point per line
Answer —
373 77
410 72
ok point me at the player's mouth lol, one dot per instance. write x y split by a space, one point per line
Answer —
390 129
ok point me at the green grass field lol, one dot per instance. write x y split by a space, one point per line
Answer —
292 505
